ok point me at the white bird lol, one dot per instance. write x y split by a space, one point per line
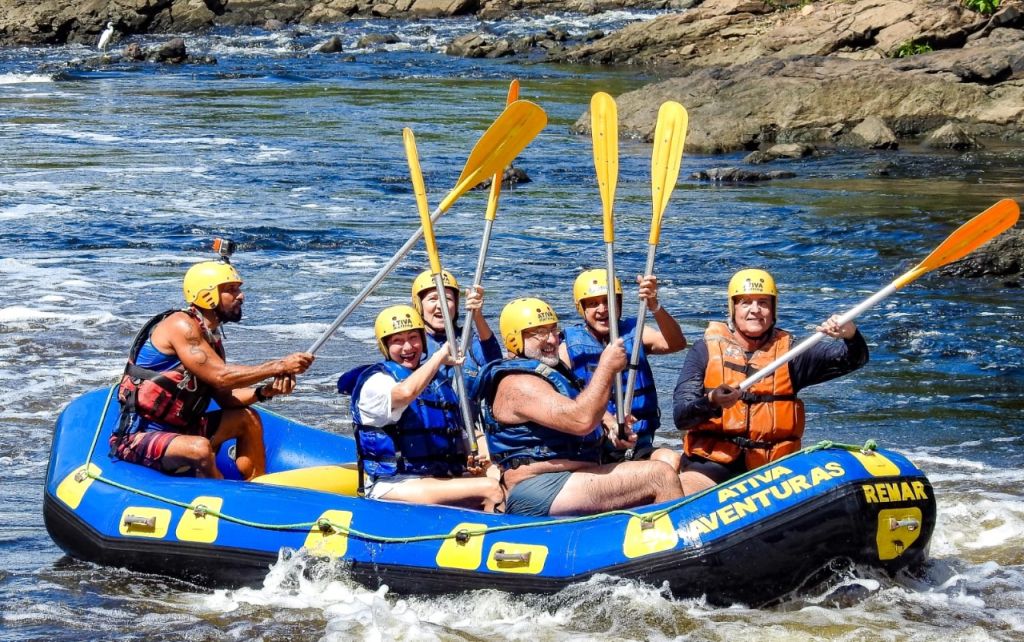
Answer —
104 40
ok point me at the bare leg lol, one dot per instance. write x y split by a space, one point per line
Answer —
694 482
471 492
194 452
610 486
243 424
668 456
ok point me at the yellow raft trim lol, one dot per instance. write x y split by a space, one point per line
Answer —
509 557
644 537
72 488
330 541
342 479
145 521
875 463
198 524
462 552
898 529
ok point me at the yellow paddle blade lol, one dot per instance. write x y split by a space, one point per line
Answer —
669 137
604 128
967 238
513 91
492 198
508 135
420 190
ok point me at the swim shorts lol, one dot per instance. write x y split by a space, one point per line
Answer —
535 495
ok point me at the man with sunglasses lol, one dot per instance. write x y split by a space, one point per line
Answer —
544 427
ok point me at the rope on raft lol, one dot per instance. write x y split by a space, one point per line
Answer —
328 526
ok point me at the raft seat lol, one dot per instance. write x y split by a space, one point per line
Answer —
340 479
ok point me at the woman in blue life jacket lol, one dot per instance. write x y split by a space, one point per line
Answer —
408 425
585 341
483 347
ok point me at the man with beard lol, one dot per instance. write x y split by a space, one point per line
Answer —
544 427
728 431
176 366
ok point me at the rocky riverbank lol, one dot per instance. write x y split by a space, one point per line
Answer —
775 78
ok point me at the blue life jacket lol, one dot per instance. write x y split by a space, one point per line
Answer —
517 444
479 354
426 440
585 351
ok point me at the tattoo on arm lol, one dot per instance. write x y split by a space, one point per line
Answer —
195 346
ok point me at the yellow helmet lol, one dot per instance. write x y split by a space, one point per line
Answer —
395 319
202 280
592 283
520 315
425 281
752 281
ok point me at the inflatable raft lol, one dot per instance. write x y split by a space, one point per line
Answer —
753 539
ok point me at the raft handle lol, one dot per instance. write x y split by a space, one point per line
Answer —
135 520
521 558
909 523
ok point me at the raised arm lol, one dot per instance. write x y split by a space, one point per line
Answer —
668 337
525 397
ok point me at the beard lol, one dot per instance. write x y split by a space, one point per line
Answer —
229 316
550 360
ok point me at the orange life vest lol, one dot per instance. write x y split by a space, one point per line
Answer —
768 421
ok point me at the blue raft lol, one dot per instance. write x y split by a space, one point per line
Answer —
754 539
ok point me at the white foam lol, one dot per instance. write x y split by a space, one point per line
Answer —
19 79
33 210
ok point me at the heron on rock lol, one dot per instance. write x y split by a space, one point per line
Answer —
105 37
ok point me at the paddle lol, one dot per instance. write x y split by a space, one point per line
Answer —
604 126
508 135
669 137
435 271
967 238
492 210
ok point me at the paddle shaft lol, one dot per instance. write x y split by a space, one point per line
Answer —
613 333
491 212
468 426
641 316
467 327
372 284
807 343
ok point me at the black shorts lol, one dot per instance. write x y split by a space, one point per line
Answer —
714 471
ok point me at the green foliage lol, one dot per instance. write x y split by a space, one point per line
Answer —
912 48
982 6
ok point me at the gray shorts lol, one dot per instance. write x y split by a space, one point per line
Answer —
535 495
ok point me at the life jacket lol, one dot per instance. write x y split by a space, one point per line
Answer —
584 353
512 445
477 355
768 421
426 440
173 397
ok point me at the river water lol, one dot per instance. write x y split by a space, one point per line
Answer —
113 181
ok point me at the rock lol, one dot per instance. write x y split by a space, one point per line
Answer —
172 51
950 136
331 45
1002 257
435 8
512 176
372 40
873 133
133 52
785 150
273 25
738 175
481 45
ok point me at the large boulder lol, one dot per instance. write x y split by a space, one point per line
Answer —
819 99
